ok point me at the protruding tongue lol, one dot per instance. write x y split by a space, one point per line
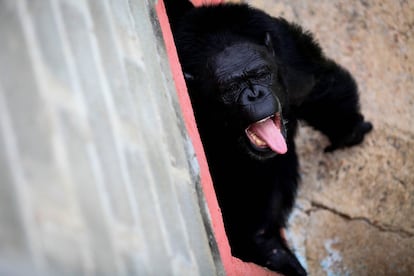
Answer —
271 134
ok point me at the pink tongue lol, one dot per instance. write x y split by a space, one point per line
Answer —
271 134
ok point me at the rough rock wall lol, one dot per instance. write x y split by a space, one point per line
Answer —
96 171
355 210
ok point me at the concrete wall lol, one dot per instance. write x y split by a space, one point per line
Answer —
97 175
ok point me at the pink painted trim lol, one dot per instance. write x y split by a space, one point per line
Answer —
232 265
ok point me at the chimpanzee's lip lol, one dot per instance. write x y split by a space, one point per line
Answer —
254 138
266 134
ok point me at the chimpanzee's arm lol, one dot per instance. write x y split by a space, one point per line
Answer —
332 107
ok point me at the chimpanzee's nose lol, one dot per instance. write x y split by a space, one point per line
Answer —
258 105
250 95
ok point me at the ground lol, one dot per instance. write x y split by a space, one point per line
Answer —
354 214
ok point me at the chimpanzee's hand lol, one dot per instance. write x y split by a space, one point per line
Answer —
354 138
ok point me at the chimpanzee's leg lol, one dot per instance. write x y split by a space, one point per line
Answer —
272 248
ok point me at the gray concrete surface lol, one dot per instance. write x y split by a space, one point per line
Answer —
355 210
95 177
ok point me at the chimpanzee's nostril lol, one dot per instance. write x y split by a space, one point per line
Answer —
253 94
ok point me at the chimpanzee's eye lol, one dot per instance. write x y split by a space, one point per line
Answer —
263 75
233 87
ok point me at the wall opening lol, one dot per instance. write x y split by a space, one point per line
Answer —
232 265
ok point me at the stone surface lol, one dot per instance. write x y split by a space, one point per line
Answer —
354 213
371 252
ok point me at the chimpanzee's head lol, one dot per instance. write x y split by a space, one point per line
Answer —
248 86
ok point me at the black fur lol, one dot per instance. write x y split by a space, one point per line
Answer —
255 187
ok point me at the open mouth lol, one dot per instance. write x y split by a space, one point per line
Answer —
267 134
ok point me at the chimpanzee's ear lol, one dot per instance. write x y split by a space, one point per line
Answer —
188 76
269 44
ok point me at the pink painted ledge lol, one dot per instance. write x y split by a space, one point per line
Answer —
232 266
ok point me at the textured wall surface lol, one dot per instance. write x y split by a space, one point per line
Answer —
96 171
355 211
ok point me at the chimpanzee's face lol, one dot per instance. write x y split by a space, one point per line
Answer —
250 88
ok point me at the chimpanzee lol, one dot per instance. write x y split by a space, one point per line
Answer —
251 77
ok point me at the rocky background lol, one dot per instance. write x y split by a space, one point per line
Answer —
354 215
